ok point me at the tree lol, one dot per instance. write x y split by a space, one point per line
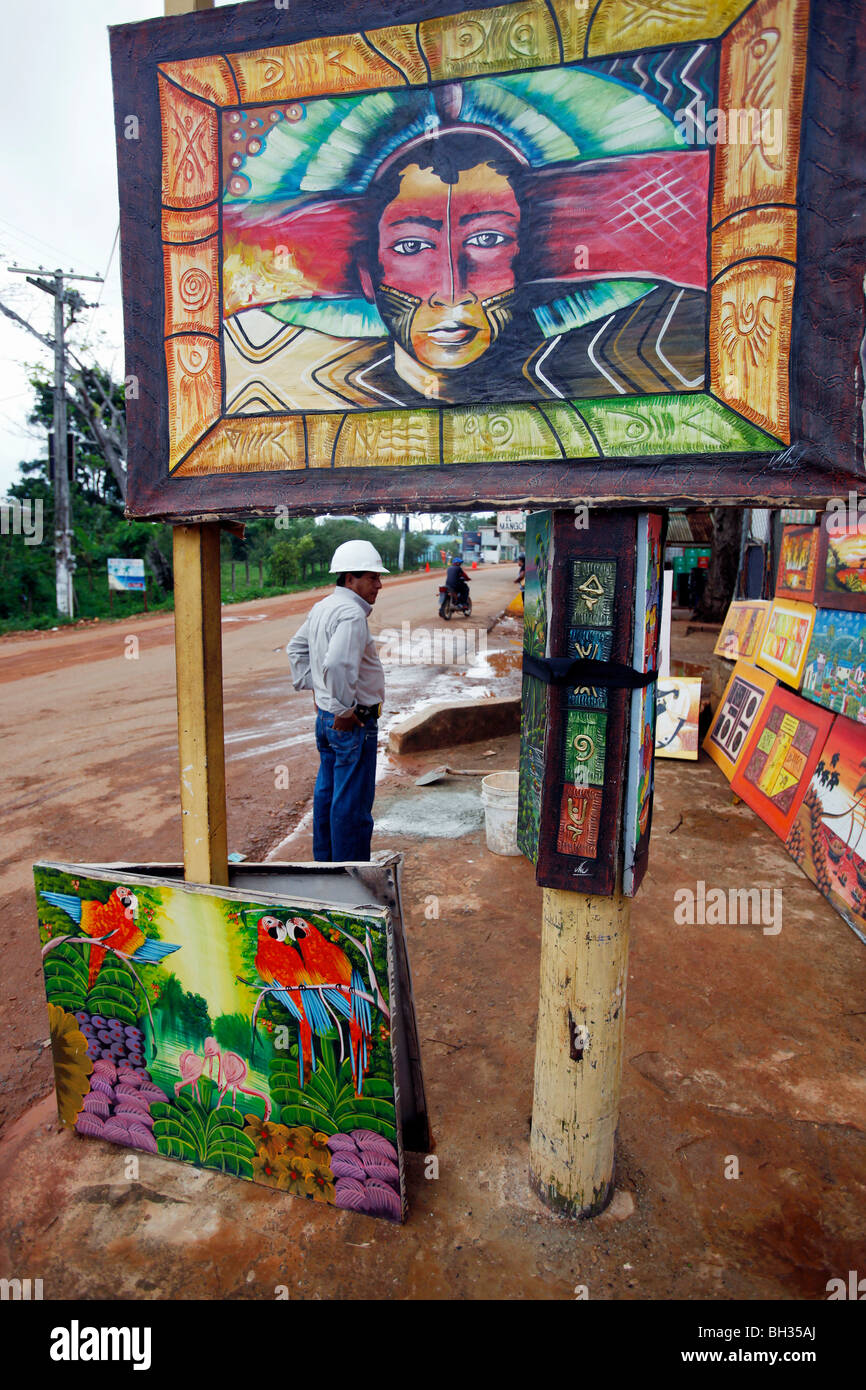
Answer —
724 565
97 422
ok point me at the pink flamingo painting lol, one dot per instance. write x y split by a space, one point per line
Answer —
231 1073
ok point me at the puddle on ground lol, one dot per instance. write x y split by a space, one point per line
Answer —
496 663
441 813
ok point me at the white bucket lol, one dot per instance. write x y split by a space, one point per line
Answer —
499 798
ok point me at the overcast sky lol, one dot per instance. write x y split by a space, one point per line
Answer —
59 204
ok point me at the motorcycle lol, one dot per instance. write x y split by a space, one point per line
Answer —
449 603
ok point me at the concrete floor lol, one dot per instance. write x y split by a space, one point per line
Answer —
738 1045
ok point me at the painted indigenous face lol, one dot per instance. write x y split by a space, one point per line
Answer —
447 251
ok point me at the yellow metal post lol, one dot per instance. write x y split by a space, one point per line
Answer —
198 650
578 1058
198 653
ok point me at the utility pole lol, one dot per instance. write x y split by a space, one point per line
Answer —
404 531
64 559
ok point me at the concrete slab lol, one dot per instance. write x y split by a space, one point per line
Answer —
452 722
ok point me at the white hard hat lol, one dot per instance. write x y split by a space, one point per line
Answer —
357 556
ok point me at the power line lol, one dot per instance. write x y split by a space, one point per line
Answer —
28 236
102 286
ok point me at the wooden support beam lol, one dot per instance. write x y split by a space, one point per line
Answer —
198 650
578 1058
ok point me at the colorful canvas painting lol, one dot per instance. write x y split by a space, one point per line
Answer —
784 746
641 748
574 726
797 571
842 564
828 835
468 240
538 551
835 671
746 693
743 630
678 713
252 1036
591 603
785 642
533 705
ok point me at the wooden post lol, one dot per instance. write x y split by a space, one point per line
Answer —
198 655
592 596
198 648
578 1058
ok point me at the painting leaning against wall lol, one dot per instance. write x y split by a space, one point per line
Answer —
253 1038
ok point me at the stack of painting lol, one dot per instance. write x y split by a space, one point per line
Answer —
802 770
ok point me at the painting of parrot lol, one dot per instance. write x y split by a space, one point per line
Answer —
114 924
315 981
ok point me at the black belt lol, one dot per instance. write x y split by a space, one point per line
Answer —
566 670
367 713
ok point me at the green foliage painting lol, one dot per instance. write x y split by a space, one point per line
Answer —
253 1037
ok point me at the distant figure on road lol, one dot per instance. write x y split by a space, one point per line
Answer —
521 573
457 579
333 655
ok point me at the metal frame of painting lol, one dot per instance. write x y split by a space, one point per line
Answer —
265 1029
259 149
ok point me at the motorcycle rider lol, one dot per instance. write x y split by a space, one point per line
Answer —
457 580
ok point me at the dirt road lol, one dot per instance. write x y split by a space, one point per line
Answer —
88 756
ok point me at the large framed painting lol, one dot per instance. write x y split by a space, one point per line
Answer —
780 757
532 252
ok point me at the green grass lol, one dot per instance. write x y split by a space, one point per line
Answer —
95 603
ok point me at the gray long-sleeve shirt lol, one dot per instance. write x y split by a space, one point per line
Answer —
333 654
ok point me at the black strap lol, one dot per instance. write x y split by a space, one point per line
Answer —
566 670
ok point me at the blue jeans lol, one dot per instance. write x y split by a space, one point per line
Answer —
345 788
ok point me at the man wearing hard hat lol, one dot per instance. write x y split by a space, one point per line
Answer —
333 655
